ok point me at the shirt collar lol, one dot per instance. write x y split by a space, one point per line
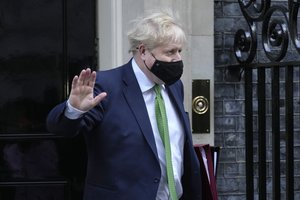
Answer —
144 82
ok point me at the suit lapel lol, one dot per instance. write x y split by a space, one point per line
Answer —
136 102
176 98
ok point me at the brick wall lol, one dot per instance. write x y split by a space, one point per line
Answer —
229 107
229 104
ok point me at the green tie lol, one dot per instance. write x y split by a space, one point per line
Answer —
162 124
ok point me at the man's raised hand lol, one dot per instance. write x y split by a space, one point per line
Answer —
82 91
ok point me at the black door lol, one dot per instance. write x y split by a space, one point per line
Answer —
43 43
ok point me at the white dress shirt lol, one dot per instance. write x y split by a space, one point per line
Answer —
175 131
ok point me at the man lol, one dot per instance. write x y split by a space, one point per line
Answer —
116 110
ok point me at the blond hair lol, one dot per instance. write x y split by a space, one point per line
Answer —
154 30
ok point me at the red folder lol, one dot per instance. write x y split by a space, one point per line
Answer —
208 158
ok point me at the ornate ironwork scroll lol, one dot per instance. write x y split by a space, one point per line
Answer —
279 26
274 60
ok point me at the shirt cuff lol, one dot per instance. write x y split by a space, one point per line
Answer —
73 113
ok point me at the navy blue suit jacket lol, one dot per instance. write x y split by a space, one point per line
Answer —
122 157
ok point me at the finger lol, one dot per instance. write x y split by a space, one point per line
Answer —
82 77
90 76
99 98
92 79
88 71
86 77
74 82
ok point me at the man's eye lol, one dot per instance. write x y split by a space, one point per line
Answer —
174 52
171 52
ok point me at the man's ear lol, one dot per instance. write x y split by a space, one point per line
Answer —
142 49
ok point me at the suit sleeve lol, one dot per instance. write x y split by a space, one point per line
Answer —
59 124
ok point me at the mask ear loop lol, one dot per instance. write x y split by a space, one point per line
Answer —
154 62
139 47
153 55
147 66
143 52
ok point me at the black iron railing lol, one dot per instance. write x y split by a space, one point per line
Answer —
269 95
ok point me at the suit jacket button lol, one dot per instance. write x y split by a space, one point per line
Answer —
156 180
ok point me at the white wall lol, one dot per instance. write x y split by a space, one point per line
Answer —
196 15
202 53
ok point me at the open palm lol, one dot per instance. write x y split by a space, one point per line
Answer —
82 91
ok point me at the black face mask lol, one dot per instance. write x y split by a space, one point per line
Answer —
168 72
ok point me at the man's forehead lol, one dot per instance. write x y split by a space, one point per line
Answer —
169 46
